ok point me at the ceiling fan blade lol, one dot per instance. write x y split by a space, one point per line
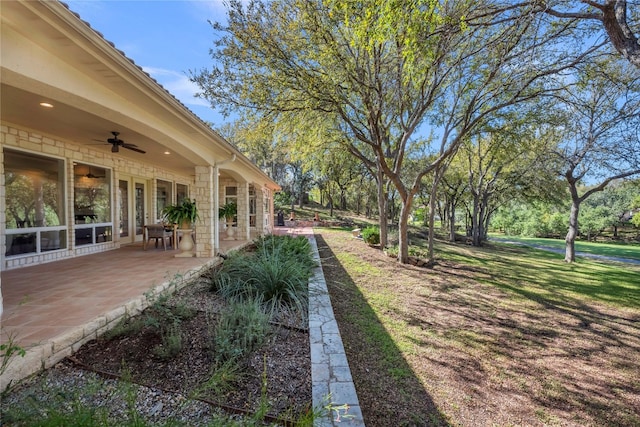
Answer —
133 147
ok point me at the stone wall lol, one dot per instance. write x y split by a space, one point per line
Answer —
70 152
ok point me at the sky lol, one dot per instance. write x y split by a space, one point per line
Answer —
167 38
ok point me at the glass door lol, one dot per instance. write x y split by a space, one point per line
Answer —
140 208
133 215
123 216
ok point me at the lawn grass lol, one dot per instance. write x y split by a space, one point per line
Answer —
498 335
542 274
620 250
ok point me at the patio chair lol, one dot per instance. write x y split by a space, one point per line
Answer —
158 232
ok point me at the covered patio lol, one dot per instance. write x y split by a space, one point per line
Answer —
51 309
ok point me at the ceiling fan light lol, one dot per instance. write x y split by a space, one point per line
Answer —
114 148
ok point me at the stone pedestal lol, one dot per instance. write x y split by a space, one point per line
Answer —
186 244
230 232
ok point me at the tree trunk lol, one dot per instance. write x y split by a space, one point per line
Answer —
475 222
452 224
432 214
483 218
382 208
570 240
403 232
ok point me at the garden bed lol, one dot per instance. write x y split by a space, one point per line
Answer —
212 342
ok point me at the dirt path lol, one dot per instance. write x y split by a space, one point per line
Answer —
562 251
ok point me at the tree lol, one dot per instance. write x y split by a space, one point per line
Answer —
598 140
614 16
254 136
384 70
506 163
617 198
635 219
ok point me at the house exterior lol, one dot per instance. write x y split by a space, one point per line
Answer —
92 148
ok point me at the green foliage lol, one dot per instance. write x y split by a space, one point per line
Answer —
222 379
282 200
161 316
125 327
534 220
292 247
276 275
241 328
183 213
228 211
371 235
8 350
171 343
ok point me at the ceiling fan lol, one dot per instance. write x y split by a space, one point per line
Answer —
91 175
117 143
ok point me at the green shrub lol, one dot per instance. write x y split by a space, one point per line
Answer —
371 235
276 275
241 328
222 379
291 247
162 315
171 343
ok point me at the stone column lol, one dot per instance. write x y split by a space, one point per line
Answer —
243 211
3 219
259 210
205 194
216 209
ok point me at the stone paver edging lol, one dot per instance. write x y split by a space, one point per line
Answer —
332 385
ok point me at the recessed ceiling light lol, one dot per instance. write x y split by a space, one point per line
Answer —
46 105
167 152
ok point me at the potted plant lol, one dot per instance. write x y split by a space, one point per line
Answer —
183 214
228 211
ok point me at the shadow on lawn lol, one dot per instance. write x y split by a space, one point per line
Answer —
526 346
558 346
388 390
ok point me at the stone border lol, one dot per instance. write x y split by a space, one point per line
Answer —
332 384
43 356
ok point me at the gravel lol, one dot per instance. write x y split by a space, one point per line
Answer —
60 385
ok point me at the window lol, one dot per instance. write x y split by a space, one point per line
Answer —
35 203
164 196
252 206
182 193
92 204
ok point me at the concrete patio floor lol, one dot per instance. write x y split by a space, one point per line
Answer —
48 306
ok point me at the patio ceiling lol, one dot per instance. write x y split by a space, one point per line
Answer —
67 123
